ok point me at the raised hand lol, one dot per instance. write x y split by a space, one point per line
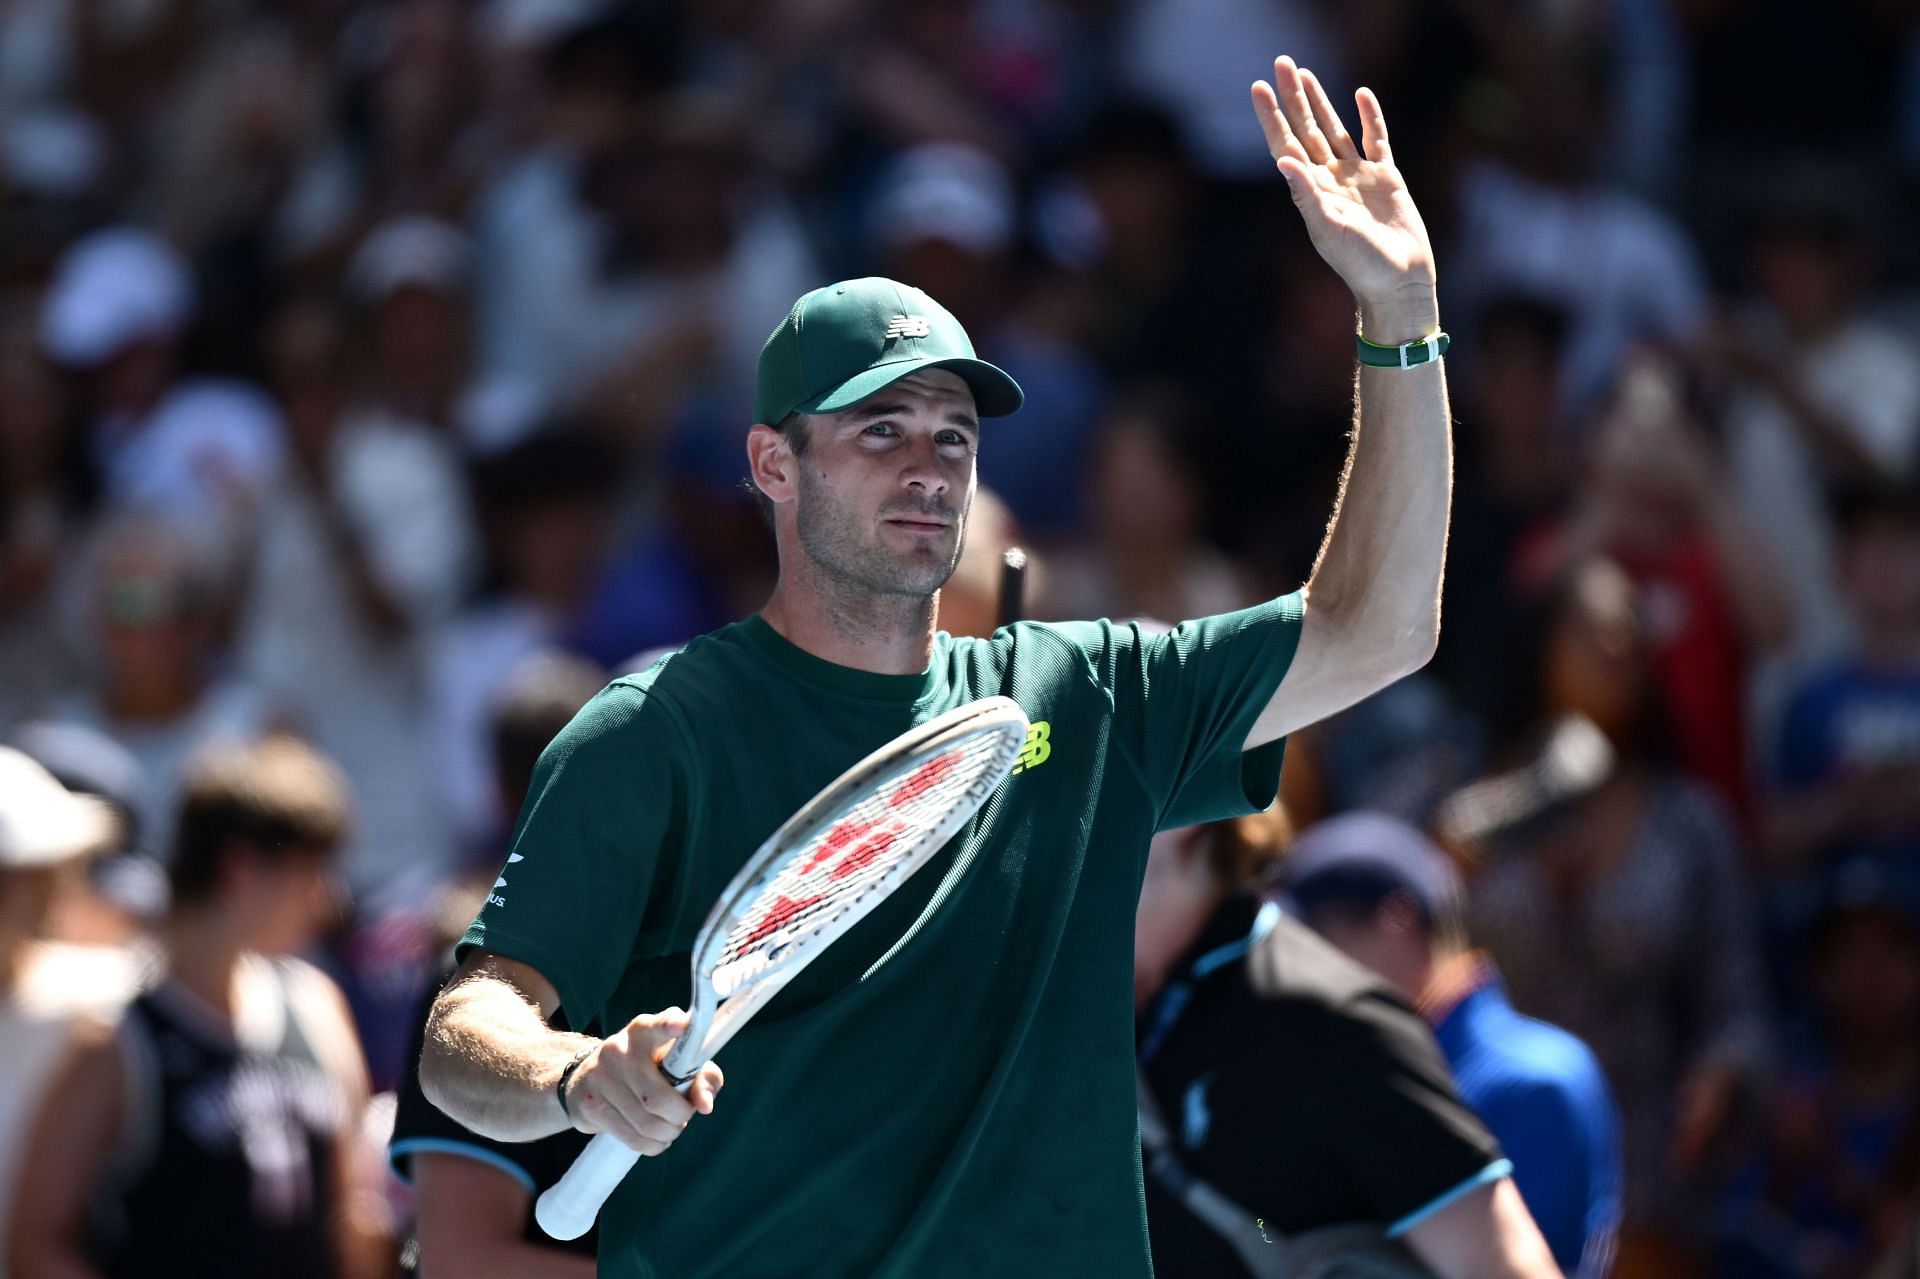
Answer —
1353 200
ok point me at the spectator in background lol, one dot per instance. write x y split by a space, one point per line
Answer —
363 561
1838 1120
408 282
237 1082
1168 281
947 218
46 986
206 452
125 888
1537 221
1387 898
1148 556
473 1196
1846 775
546 509
1655 503
1298 1086
703 259
1192 56
155 609
41 521
1515 464
1622 910
540 695
1824 397
360 566
1271 467
539 239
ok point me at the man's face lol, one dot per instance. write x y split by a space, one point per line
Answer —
884 487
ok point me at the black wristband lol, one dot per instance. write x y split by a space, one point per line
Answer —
567 1074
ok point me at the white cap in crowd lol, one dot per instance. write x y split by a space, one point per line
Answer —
52 152
946 191
409 252
43 823
112 289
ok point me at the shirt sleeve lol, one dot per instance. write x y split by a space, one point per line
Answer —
1402 1137
1802 757
1550 1143
1184 701
608 797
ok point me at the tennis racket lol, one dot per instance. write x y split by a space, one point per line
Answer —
813 879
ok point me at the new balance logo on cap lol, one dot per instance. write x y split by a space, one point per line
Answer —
907 326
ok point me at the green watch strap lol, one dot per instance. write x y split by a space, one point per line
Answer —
1405 356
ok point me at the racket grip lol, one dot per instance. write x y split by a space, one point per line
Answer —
567 1208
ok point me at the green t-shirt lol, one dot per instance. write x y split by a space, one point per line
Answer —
949 1088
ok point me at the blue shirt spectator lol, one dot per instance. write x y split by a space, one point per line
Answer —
1380 891
1541 1093
1847 759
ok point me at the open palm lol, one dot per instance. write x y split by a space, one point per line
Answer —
1355 204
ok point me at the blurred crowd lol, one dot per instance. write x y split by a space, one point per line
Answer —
375 375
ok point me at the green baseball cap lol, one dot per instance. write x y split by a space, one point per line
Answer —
841 343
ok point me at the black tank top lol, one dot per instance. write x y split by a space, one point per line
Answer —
237 1177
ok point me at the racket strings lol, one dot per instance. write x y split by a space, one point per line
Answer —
862 851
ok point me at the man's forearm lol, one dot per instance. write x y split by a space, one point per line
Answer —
1377 578
492 1063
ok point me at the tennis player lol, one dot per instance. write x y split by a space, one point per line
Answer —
948 1089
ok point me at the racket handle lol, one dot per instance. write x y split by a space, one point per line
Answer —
567 1208
1013 576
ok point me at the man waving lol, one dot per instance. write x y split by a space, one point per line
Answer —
948 1090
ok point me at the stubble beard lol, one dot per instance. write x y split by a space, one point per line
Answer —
834 538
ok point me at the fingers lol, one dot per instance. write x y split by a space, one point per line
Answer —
620 1088
1290 89
1327 118
1373 127
704 1087
1280 139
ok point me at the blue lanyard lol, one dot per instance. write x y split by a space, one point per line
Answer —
1174 999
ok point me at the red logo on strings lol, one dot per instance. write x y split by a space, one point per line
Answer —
783 912
925 778
843 834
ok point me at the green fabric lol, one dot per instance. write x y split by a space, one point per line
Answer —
1405 356
966 1107
841 343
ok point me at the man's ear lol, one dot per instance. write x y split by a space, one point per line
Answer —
771 463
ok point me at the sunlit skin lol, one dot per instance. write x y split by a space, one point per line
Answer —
870 519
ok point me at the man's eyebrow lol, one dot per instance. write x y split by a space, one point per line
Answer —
953 417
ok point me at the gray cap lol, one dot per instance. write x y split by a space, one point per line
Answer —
1361 859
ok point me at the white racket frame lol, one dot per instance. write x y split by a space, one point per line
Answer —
568 1207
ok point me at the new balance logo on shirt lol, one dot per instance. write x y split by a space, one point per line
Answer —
1038 746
